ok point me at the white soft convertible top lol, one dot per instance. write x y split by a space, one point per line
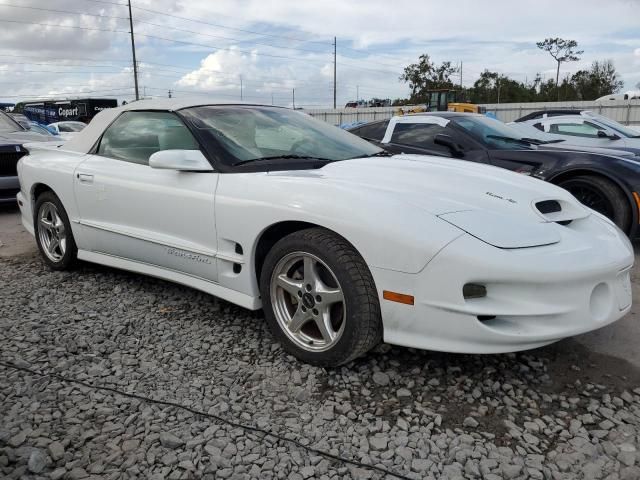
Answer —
83 141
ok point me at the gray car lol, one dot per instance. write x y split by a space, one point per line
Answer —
12 138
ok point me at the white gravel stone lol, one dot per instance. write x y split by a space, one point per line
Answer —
169 440
415 413
470 422
380 378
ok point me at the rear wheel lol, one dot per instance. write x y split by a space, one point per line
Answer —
319 298
53 232
601 195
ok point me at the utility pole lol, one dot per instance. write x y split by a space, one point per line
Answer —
293 92
272 98
461 75
357 94
133 51
335 42
240 87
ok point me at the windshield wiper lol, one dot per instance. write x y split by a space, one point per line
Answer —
282 157
537 141
511 139
381 153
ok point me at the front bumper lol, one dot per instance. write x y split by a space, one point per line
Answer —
9 187
535 296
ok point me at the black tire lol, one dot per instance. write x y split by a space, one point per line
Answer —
363 323
70 256
603 196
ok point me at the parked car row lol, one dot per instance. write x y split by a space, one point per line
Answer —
17 130
13 136
342 243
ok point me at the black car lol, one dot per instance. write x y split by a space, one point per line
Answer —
12 137
607 181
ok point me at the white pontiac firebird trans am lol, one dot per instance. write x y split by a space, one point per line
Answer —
341 244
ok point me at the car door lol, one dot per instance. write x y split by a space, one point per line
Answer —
579 132
416 138
419 138
130 210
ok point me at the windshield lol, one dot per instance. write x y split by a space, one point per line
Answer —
71 126
249 133
490 131
34 127
7 124
613 125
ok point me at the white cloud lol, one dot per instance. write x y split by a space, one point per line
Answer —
216 70
495 34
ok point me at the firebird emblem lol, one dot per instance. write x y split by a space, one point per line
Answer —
510 200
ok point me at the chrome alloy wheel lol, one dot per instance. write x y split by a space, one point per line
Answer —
51 232
308 301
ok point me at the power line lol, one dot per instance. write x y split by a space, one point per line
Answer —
64 26
106 2
159 38
195 20
247 428
61 11
158 12
67 94
184 42
158 25
55 64
61 59
237 40
66 72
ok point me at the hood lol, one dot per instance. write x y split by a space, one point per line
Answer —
24 137
502 208
601 151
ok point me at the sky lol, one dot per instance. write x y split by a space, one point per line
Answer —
264 50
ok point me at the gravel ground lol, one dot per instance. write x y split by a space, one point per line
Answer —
561 412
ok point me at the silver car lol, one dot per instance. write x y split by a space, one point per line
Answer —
584 128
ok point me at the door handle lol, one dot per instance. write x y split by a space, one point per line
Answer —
85 178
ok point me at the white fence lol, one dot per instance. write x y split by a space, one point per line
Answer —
339 116
626 112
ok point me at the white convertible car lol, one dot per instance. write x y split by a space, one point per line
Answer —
342 245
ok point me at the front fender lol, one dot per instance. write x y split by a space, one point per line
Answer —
387 232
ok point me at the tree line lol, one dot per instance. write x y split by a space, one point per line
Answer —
600 79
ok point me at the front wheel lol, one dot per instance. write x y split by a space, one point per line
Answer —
53 232
601 195
319 298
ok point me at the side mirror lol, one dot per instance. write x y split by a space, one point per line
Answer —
181 160
446 141
603 134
